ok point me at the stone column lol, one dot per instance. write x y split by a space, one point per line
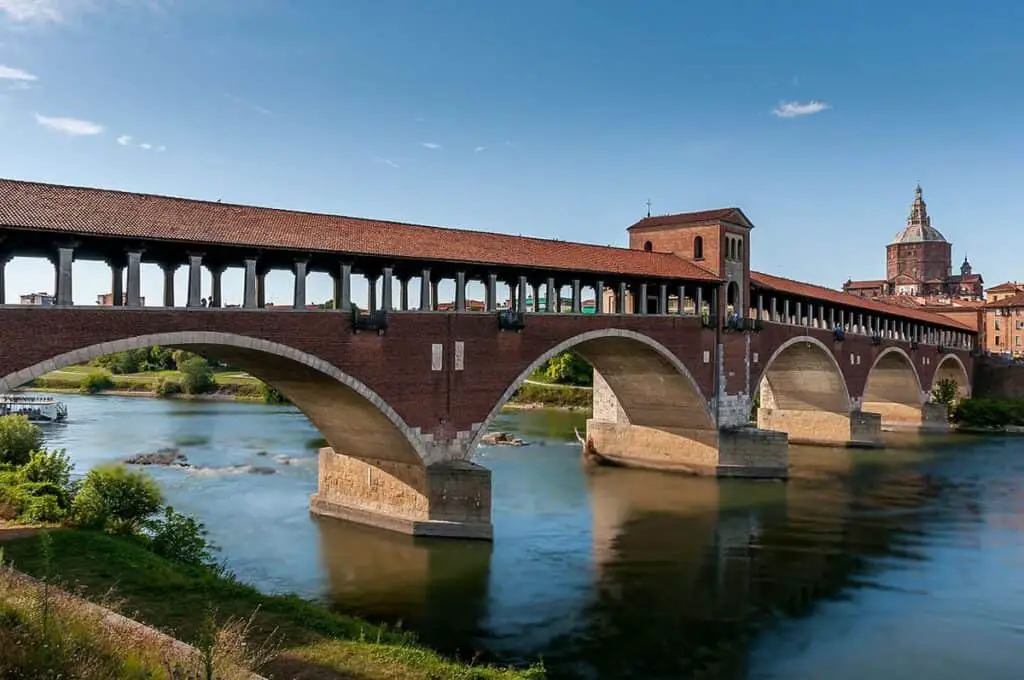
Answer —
663 299
786 318
774 310
216 291
832 317
261 288
343 287
371 292
492 292
134 276
62 271
403 292
387 295
553 298
4 259
249 284
620 299
169 270
460 291
682 299
195 280
117 284
700 301
425 286
577 300
521 294
299 295
799 314
760 306
599 297
434 297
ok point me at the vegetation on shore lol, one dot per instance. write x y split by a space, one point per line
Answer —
989 413
562 382
112 532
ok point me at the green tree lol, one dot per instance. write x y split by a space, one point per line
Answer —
116 499
181 356
196 376
569 368
947 393
18 439
50 467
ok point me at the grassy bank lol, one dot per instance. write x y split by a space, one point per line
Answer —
314 643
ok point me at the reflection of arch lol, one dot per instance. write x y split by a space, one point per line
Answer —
951 367
653 387
893 378
698 247
351 416
803 375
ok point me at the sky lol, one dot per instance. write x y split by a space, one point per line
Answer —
551 118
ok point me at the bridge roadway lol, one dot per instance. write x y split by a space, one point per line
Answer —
403 409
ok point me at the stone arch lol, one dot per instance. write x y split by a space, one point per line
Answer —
893 388
352 418
652 386
952 367
803 375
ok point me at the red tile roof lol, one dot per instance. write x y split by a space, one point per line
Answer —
734 215
836 297
1016 300
1009 285
100 212
865 284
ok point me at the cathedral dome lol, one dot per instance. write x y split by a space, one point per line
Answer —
919 227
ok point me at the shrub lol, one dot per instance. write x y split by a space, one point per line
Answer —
116 499
989 412
166 387
180 356
569 368
44 508
180 537
18 439
52 467
196 376
95 382
272 395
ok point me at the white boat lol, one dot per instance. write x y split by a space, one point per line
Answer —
37 409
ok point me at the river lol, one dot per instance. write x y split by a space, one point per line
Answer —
889 564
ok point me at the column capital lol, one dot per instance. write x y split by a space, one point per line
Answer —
135 248
216 268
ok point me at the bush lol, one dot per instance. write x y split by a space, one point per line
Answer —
95 382
569 368
166 387
18 439
179 537
196 376
52 467
989 412
272 395
116 499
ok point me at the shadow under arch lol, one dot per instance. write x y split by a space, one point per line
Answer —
352 418
951 367
652 386
803 375
892 379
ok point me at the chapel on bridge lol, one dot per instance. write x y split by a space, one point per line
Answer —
918 263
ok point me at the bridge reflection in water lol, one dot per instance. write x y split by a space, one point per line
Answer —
685 573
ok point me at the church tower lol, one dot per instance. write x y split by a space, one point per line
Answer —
919 259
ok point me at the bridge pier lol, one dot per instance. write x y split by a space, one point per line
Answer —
908 418
824 428
451 499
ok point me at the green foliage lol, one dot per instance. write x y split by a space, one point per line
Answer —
196 376
52 467
95 382
116 499
180 356
946 392
153 358
271 395
18 439
553 395
180 537
166 387
989 412
569 368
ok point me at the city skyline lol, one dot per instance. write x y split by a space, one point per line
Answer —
460 125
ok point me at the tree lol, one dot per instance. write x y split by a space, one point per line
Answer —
18 439
116 499
569 368
947 393
196 376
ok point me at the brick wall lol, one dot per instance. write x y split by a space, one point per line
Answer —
997 379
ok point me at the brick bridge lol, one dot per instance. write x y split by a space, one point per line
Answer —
683 338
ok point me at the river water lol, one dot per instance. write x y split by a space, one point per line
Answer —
900 563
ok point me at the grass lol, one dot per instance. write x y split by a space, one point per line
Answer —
314 643
229 383
558 396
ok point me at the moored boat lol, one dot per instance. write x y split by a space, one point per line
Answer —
36 409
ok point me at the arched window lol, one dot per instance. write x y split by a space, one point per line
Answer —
648 246
698 248
739 249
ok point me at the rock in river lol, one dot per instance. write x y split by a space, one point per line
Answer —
501 439
160 457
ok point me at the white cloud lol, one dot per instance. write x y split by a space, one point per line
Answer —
124 140
10 73
430 145
145 146
797 109
69 126
388 162
31 10
480 148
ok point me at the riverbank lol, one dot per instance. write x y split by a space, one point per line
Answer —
313 642
236 386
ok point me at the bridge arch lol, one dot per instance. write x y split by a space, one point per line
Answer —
353 419
651 385
803 375
892 380
950 366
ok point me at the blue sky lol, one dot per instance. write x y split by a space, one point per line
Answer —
554 118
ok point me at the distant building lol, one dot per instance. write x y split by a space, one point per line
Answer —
107 300
37 299
919 263
1003 323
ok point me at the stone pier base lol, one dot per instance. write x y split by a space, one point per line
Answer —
856 429
910 418
450 499
740 452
